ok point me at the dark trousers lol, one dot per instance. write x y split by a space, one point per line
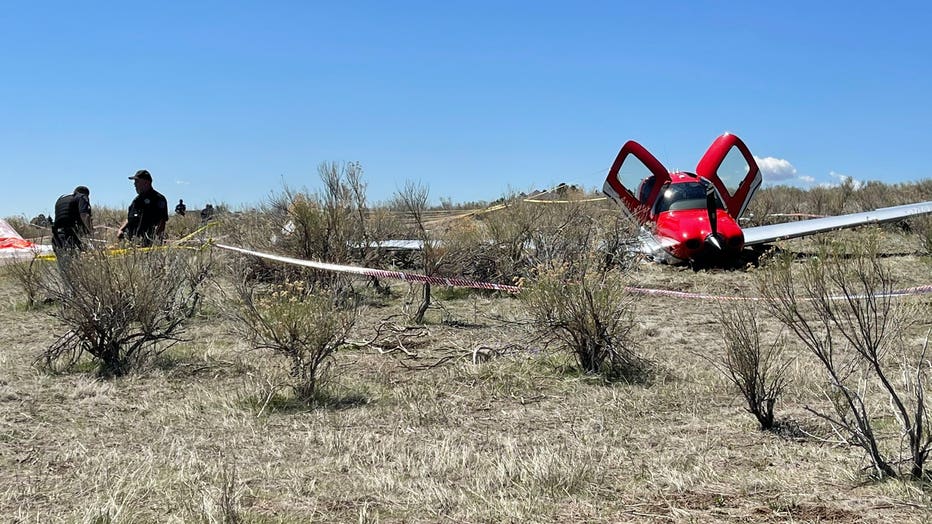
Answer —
65 242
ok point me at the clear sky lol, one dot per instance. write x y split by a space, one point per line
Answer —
224 101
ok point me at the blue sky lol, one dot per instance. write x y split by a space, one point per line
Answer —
224 101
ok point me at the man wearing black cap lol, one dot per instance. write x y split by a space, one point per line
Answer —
145 221
72 220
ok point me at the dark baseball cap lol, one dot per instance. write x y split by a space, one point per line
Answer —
142 174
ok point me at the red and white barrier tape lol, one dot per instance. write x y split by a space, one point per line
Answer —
378 273
463 282
682 294
917 290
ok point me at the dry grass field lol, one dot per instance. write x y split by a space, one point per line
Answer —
473 421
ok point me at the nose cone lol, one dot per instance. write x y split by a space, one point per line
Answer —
687 234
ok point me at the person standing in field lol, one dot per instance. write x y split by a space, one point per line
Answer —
207 213
180 209
147 214
72 221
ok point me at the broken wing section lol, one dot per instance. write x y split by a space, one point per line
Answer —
731 168
635 180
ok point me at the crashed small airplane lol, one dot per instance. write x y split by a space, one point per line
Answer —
693 217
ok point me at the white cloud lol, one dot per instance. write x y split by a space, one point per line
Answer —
780 171
856 184
182 182
775 169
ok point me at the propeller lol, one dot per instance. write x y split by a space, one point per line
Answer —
710 205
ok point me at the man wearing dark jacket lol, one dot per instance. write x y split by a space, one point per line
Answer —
145 220
72 220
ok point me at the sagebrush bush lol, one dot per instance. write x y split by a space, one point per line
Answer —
301 323
757 370
841 307
591 314
123 307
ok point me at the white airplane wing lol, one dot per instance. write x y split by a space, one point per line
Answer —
401 245
762 234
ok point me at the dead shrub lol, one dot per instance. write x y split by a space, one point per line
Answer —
616 239
109 218
589 312
501 253
507 241
411 200
840 306
28 275
300 322
758 371
445 250
124 308
564 235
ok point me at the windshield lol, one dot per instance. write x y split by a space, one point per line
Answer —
688 195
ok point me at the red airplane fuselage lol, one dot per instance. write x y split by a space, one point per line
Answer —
683 227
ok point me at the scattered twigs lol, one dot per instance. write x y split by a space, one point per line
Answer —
391 336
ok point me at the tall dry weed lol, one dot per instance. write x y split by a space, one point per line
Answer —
756 369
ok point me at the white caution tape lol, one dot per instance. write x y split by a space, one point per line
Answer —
463 282
378 273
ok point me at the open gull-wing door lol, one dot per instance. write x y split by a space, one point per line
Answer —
635 180
730 167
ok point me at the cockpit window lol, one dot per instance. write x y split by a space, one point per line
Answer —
688 195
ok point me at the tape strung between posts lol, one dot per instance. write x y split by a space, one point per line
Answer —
462 282
378 273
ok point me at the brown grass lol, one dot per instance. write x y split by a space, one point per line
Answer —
428 434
